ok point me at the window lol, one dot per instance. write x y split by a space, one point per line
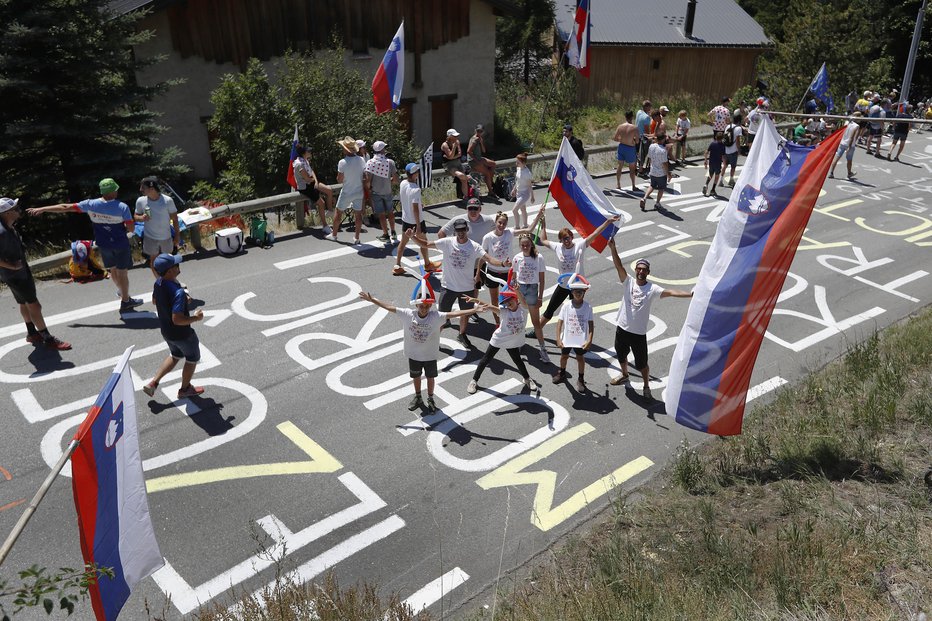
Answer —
655 64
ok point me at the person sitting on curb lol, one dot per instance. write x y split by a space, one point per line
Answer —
475 154
452 152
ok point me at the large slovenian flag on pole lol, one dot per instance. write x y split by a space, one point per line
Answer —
110 495
581 202
390 76
294 155
577 52
741 279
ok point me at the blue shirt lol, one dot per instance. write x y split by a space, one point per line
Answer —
108 218
716 152
642 122
171 298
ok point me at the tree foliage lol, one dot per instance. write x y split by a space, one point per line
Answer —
63 587
71 110
523 43
254 119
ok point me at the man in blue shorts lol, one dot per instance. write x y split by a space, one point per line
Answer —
175 319
626 135
112 220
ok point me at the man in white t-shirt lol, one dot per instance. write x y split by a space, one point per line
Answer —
459 270
634 316
660 173
159 214
422 338
350 172
734 131
847 146
412 217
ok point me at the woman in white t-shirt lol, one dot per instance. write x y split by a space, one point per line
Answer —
509 335
528 268
523 192
497 244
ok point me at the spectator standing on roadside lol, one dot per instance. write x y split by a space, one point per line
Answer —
175 319
714 161
626 135
479 223
475 154
734 131
112 221
682 131
15 274
159 214
452 152
900 132
847 146
307 185
642 122
412 218
755 117
720 115
660 173
362 151
350 171
575 143
379 176
875 125
523 192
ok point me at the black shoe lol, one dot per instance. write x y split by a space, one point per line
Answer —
416 403
474 318
559 376
431 406
463 340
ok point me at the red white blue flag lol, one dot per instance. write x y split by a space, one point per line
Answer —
577 51
390 77
110 495
581 202
741 279
294 155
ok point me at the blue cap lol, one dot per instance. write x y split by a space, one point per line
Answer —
165 262
412 167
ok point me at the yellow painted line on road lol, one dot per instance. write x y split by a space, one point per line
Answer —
828 209
321 462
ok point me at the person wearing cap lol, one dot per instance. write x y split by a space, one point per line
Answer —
575 327
508 335
452 152
720 115
634 316
480 224
421 328
307 184
15 274
112 221
575 143
159 214
378 179
350 171
460 255
475 155
412 218
362 151
175 319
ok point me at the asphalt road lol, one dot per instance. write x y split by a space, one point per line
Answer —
303 443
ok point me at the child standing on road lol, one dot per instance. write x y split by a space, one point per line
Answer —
422 337
523 192
575 327
508 335
175 319
714 158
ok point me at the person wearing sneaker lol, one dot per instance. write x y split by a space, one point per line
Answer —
158 214
575 327
498 245
847 146
634 316
412 219
529 270
306 183
714 162
175 320
378 179
112 221
350 171
660 174
509 335
460 255
15 274
421 337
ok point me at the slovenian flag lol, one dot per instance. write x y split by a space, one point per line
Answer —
741 279
581 202
294 155
577 51
110 495
390 77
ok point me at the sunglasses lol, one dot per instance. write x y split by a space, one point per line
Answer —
566 238
472 209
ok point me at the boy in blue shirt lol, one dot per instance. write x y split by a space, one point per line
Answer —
714 158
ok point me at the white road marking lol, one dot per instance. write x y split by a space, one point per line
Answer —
434 591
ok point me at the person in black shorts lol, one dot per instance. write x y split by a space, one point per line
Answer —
15 274
714 159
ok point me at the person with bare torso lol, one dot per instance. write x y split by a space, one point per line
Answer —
626 135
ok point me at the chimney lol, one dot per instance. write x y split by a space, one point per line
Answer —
690 18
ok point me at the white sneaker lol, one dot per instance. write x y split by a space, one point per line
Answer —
543 354
326 230
331 237
472 387
356 241
531 384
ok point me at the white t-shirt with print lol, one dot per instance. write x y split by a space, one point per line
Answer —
510 330
421 334
498 247
568 258
634 312
409 194
527 269
658 155
459 263
575 323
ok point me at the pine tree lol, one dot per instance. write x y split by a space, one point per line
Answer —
71 108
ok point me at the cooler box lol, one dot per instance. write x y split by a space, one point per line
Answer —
229 241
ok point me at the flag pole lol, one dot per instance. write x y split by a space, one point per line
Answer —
554 84
40 494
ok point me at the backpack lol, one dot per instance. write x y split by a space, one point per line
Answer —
728 137
85 264
259 233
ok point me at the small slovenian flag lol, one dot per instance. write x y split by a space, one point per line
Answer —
110 495
578 44
741 279
294 155
390 76
427 167
581 202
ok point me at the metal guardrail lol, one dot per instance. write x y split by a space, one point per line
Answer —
297 200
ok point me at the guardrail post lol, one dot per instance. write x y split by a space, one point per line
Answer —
299 214
195 232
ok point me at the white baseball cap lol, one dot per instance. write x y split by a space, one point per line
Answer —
452 132
7 204
378 146
360 144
